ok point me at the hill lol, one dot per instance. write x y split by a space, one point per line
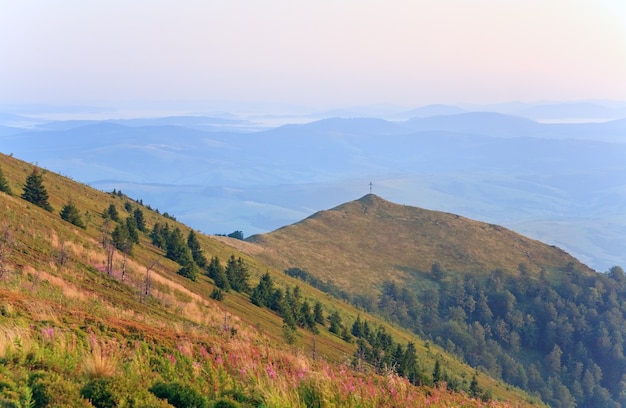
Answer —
90 318
363 243
520 310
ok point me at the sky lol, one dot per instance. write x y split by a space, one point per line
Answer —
322 53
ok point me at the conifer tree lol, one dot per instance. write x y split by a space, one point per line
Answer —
216 271
122 239
4 184
277 301
335 323
437 374
196 250
411 367
238 274
177 249
307 320
131 226
262 293
112 213
318 313
357 327
159 235
189 271
35 192
139 219
70 213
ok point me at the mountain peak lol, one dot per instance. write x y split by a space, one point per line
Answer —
362 243
371 200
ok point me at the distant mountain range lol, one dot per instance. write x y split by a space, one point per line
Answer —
562 183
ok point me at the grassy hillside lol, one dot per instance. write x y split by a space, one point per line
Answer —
72 334
360 244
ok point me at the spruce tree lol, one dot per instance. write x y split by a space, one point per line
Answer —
216 271
196 249
262 293
112 213
189 271
35 192
4 184
139 219
122 239
238 274
159 235
177 249
71 214
318 313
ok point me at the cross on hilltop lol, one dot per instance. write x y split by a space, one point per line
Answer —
371 185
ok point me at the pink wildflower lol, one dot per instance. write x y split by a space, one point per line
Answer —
270 371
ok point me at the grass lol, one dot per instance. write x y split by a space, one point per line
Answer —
361 244
67 329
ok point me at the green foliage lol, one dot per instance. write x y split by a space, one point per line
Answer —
310 394
196 250
4 184
122 238
217 294
216 271
223 403
474 389
140 220
71 214
159 235
262 293
98 392
238 274
526 330
35 192
236 235
54 390
179 395
336 324
190 271
177 249
112 213
289 333
318 313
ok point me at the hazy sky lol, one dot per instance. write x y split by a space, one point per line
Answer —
322 53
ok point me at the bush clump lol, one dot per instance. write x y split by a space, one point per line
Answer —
179 395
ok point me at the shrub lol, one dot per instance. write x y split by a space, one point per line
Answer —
99 393
217 294
179 395
53 390
225 404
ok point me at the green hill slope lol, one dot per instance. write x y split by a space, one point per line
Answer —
85 324
518 309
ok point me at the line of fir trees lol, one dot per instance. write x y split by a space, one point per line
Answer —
234 276
126 232
185 251
378 348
